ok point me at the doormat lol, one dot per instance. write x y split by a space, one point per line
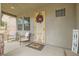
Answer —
36 46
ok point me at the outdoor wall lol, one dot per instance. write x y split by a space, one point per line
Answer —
31 25
59 29
0 10
77 14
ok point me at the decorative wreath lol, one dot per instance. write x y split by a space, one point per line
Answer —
39 18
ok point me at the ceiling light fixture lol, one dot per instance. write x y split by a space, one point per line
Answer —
12 7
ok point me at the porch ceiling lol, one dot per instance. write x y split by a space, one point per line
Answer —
21 8
26 9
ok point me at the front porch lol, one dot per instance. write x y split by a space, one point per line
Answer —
50 25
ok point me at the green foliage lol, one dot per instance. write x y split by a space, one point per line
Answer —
2 23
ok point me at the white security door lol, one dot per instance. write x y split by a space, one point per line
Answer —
39 29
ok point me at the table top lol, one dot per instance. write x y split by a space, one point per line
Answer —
70 53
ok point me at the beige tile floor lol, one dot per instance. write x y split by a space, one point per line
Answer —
14 49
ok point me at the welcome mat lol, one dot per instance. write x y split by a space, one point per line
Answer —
36 46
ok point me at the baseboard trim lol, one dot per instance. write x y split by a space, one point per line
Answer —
59 47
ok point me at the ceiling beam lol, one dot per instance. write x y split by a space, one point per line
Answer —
8 13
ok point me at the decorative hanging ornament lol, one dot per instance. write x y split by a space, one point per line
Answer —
39 18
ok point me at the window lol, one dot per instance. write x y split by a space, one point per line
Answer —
26 23
19 26
23 24
60 12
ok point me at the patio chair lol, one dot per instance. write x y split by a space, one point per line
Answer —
24 38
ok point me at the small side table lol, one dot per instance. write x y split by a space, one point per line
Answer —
70 53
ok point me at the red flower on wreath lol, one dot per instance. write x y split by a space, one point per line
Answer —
39 18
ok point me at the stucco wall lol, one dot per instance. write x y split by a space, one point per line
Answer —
59 29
